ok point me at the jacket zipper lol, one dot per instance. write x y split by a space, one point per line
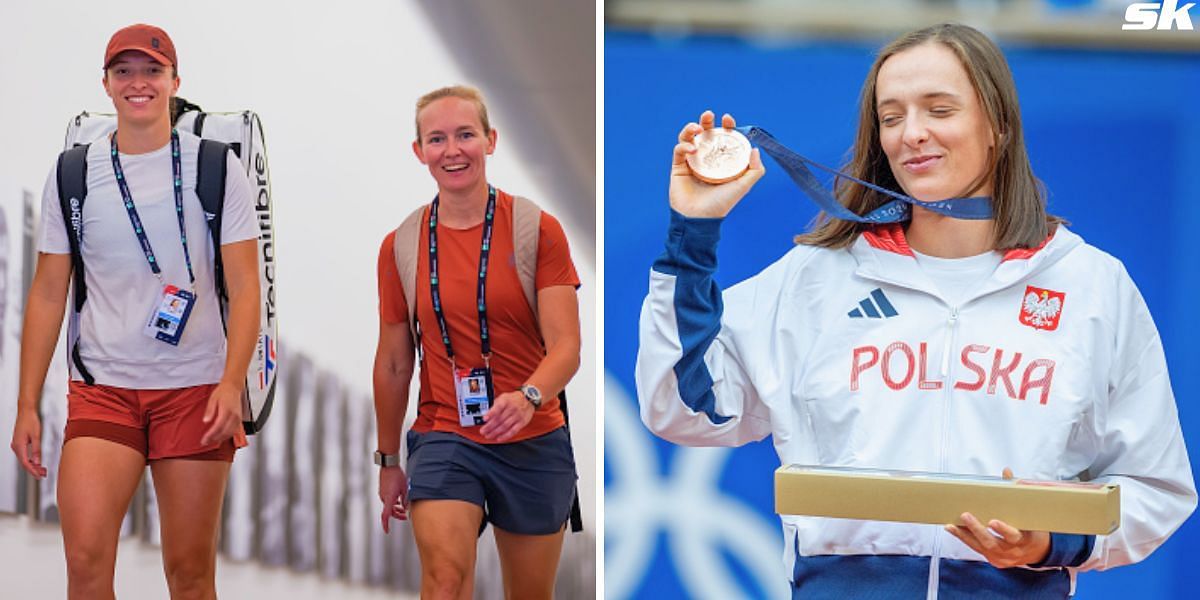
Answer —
948 385
949 340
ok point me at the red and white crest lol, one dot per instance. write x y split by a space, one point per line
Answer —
1041 308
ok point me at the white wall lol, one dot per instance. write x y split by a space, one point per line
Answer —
11 226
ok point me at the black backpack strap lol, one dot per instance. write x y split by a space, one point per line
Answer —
576 513
211 169
71 176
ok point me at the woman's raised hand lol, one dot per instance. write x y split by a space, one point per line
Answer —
694 198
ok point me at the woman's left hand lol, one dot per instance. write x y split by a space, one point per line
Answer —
508 415
1008 546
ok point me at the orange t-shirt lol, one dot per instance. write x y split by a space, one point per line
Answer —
517 346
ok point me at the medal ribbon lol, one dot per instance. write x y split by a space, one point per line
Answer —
481 290
136 221
899 209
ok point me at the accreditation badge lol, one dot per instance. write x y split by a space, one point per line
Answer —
474 390
170 315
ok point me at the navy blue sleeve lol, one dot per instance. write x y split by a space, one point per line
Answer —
1068 550
691 256
691 246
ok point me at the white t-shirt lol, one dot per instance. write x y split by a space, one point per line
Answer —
955 277
122 291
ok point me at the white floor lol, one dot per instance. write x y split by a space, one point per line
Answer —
31 566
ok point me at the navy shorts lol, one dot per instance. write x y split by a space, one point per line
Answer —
524 487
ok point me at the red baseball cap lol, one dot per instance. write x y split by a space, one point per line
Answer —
144 38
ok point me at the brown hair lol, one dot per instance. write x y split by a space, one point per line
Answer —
465 92
1018 198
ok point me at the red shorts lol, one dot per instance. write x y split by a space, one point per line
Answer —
157 423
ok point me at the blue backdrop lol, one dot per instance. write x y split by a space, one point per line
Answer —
1115 137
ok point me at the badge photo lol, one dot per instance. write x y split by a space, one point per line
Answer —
170 315
474 390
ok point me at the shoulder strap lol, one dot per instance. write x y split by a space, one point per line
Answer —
527 222
211 169
71 176
407 248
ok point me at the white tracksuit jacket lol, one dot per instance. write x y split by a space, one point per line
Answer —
1052 367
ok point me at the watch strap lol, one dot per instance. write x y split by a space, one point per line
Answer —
387 460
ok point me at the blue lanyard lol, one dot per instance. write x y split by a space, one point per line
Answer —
136 221
900 209
481 304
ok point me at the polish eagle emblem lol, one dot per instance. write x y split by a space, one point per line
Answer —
1041 308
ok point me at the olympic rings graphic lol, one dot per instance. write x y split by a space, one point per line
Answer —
699 519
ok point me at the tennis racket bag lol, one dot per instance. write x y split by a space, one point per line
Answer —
241 133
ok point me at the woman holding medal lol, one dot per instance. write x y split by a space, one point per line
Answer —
489 443
153 377
995 344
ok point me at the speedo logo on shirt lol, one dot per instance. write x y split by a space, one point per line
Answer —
900 366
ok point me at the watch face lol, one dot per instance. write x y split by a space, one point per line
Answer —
533 394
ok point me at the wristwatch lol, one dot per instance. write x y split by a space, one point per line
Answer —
533 395
387 460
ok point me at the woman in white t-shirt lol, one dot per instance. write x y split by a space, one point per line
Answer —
154 380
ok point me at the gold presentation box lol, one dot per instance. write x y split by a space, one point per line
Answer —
938 498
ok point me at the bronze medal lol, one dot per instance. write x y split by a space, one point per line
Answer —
721 155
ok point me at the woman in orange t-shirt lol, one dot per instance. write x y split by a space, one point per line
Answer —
489 443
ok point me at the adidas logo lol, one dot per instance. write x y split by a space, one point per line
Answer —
209 216
875 306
